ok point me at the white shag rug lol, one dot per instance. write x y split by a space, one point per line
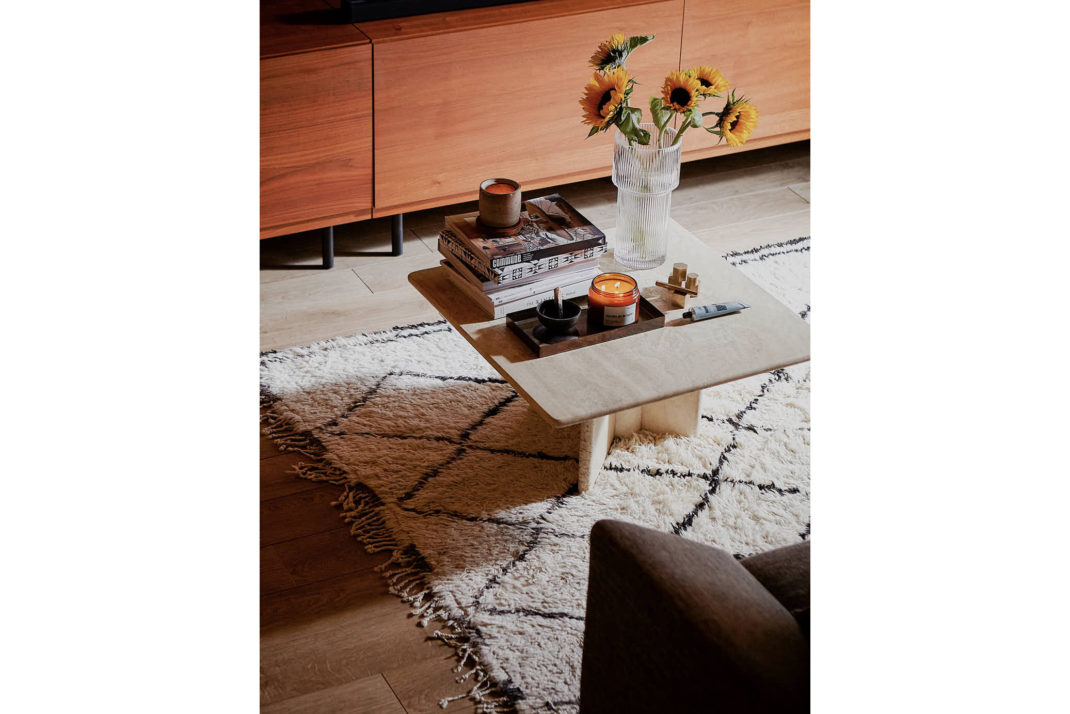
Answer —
443 464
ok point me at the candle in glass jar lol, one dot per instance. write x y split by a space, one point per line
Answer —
612 301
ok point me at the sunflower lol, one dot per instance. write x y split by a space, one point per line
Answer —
681 91
610 53
737 121
602 96
712 81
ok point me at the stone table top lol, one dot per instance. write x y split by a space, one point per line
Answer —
681 357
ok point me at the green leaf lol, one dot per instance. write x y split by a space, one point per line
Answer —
628 126
592 132
659 113
695 118
636 41
618 55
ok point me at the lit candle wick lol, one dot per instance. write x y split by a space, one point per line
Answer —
616 286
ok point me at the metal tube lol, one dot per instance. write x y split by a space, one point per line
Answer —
327 239
397 233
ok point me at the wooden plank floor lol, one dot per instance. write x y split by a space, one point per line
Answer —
332 638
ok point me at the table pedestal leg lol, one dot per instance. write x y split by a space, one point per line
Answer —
677 415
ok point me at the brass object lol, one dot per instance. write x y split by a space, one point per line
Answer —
681 285
679 273
677 288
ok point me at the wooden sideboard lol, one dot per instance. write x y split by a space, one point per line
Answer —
315 119
396 115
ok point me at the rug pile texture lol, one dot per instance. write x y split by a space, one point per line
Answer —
444 466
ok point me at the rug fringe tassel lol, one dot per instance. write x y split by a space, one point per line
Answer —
319 472
405 572
286 437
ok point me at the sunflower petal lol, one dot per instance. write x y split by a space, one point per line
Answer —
681 92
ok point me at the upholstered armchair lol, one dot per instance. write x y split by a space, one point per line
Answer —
675 625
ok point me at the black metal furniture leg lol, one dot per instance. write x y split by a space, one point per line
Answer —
397 232
328 247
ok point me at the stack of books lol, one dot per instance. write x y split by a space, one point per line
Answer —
555 248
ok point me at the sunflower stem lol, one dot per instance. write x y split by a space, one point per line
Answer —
679 135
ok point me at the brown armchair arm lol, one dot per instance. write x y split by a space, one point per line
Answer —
674 625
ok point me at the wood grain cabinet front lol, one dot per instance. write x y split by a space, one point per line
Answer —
458 106
315 139
763 49
467 95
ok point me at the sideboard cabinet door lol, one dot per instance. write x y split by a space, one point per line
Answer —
315 139
459 106
763 49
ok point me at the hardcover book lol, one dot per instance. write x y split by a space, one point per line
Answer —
493 310
548 226
511 291
451 246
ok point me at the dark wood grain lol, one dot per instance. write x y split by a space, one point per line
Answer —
320 635
298 514
370 695
294 26
492 113
321 556
315 88
277 478
273 573
404 28
316 140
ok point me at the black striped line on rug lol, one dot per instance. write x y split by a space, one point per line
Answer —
404 373
706 476
770 250
509 691
468 445
525 525
466 435
380 337
713 477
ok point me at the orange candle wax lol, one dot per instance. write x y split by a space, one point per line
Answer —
612 301
500 188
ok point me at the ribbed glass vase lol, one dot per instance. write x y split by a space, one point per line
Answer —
645 177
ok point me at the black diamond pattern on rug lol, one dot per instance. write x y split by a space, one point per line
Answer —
474 494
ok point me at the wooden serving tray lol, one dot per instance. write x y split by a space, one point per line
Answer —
525 322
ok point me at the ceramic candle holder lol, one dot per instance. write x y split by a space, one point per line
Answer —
499 203
558 323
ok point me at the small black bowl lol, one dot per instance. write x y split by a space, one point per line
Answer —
555 324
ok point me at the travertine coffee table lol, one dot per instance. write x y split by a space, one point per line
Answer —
647 381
